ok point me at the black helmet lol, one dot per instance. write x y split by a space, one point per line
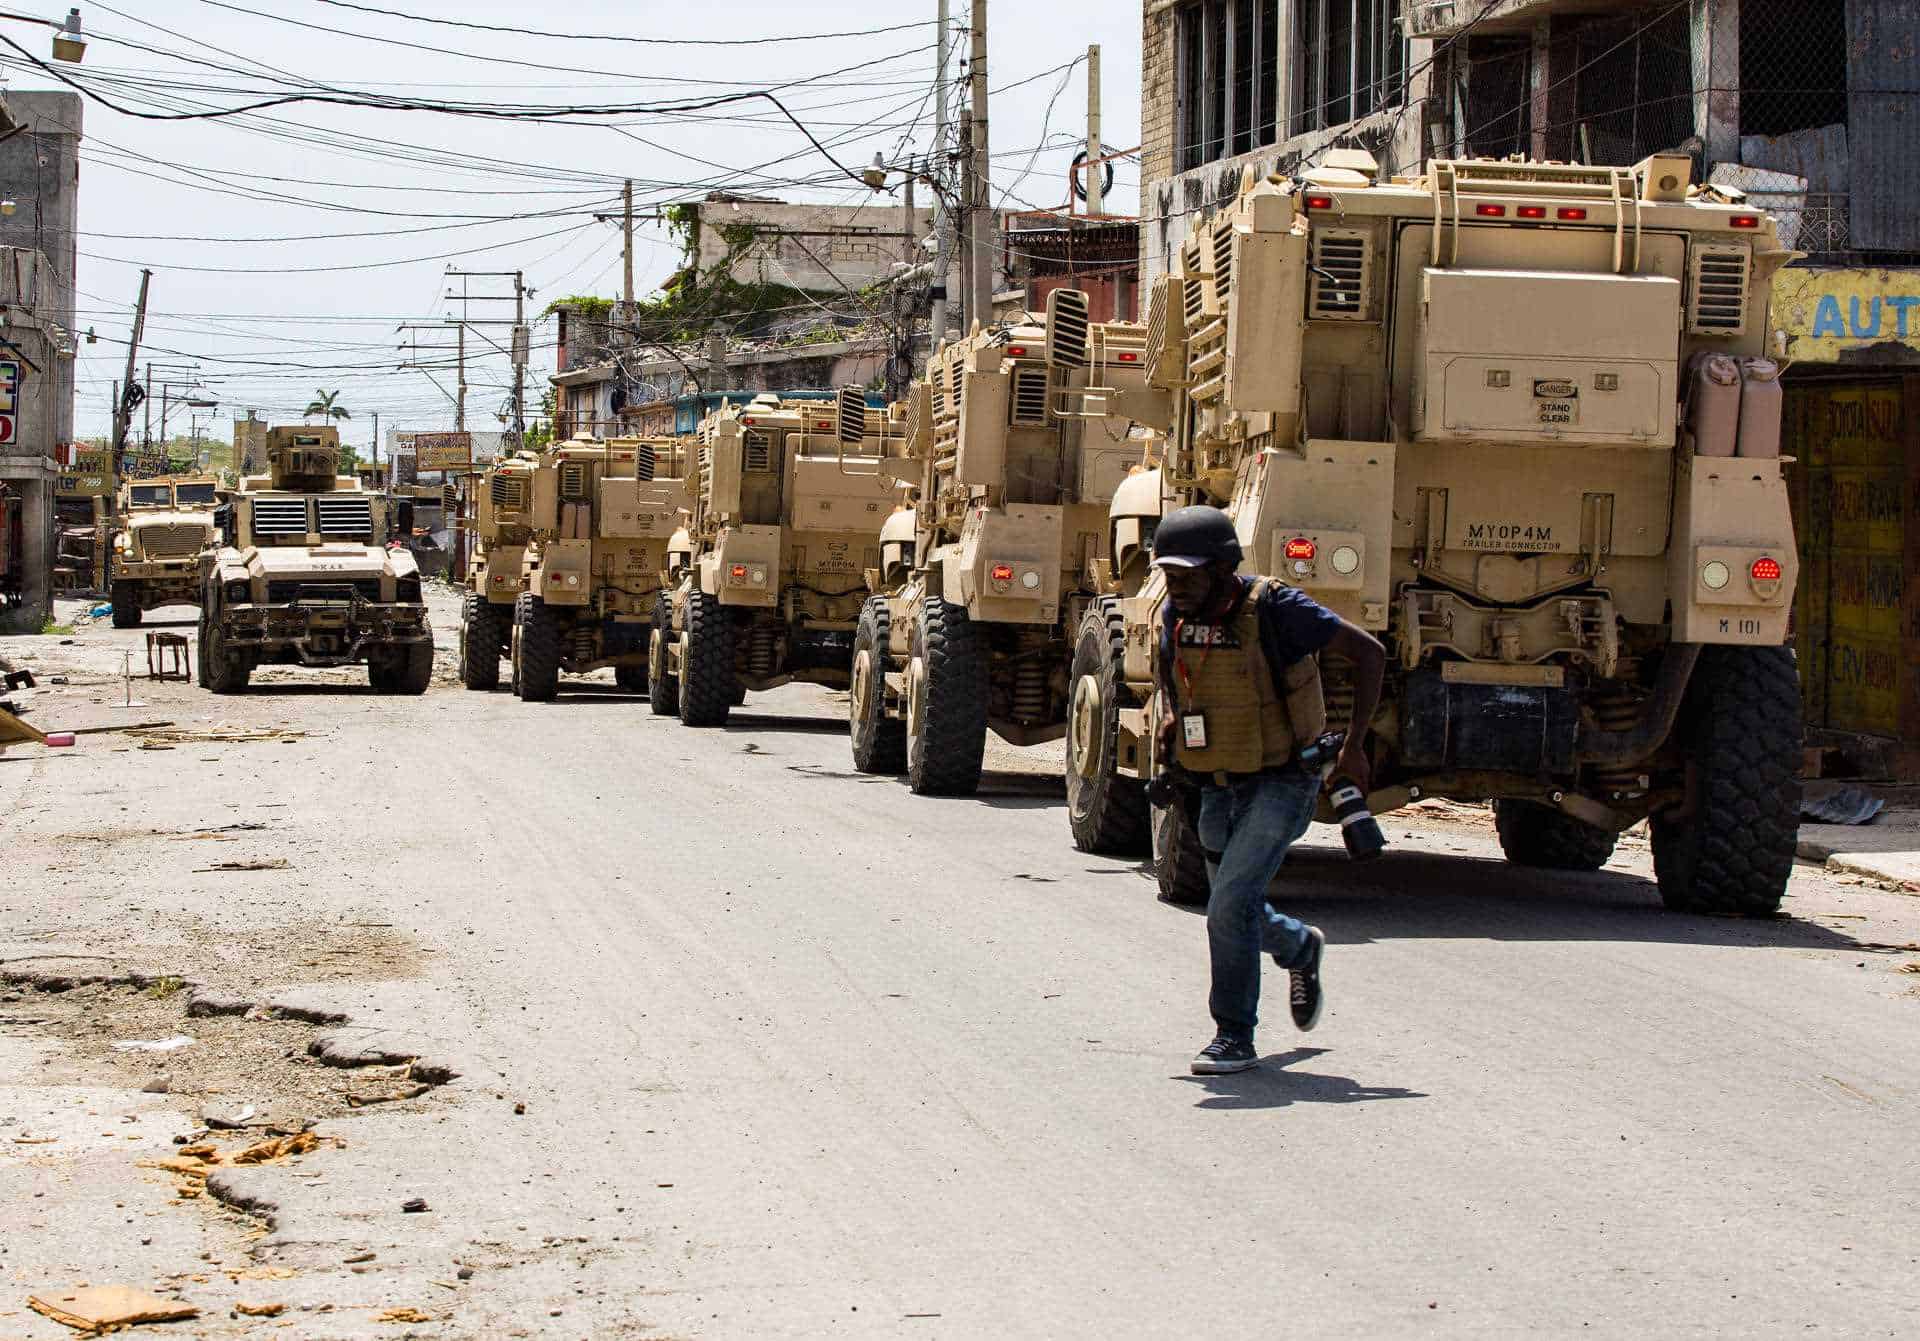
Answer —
1192 536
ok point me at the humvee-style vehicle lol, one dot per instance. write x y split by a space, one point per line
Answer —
1017 438
788 504
1518 420
572 543
303 575
162 526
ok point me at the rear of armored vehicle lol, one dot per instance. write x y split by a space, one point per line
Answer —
303 576
789 503
590 573
502 524
164 524
1018 437
1518 419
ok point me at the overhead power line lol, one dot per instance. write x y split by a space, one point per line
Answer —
618 37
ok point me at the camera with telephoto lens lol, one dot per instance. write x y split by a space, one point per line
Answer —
1359 830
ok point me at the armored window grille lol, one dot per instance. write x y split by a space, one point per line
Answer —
1030 395
346 516
1718 302
279 516
759 450
573 481
509 493
1341 268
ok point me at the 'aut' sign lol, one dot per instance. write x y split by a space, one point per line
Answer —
9 399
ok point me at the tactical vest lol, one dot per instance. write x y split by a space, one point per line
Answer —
1221 670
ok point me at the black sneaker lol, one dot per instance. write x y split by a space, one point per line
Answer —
1225 1055
1304 983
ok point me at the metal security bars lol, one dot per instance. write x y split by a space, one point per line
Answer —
1349 59
1228 67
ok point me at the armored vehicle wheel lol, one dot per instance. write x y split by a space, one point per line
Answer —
663 690
707 682
1179 865
1532 834
126 605
480 636
879 741
1730 848
946 701
1108 813
406 669
632 679
223 671
537 660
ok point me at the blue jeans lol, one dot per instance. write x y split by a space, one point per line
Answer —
1246 829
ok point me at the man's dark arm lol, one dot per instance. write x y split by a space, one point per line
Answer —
1369 661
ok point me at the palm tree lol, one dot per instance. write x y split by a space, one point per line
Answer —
325 405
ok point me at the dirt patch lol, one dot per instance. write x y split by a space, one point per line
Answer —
248 1073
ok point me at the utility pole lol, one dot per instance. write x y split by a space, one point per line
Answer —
520 340
983 247
121 411
942 223
1096 202
146 405
376 437
968 313
626 247
460 401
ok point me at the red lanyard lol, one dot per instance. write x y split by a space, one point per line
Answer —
1180 663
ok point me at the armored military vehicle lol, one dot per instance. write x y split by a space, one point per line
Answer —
1017 438
572 542
788 503
163 525
1517 419
303 575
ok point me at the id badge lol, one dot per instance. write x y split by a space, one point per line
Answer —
1193 728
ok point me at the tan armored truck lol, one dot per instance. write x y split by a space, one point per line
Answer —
788 505
163 525
303 575
1017 439
572 542
1518 420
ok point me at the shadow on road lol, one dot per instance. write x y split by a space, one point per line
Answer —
753 721
1273 1085
1409 895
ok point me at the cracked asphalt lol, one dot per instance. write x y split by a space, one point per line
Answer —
747 1044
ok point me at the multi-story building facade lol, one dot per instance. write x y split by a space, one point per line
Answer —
1811 108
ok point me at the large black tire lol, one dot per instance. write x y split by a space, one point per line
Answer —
663 690
1179 865
222 670
947 730
480 635
879 741
406 669
1730 848
126 605
537 652
1107 813
707 682
1532 834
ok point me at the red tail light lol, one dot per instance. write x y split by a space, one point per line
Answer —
1491 211
739 570
1532 211
1127 358
1002 572
823 423
1572 214
749 420
1319 202
1745 221
1016 351
1300 548
1766 570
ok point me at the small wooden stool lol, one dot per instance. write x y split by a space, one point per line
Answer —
167 657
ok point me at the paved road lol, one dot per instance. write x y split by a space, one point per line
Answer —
802 1054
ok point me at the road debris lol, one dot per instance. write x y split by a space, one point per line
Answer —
404 1315
260 1310
367 1100
173 1044
251 864
414 1205
108 1308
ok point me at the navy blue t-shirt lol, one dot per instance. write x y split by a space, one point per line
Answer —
1292 625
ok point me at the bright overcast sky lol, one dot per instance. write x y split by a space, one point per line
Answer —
287 244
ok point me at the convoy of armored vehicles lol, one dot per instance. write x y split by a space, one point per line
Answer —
1516 419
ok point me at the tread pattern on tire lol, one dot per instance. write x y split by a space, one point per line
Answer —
539 678
126 605
707 681
480 642
1179 865
1742 725
882 746
225 672
1108 814
946 758
663 690
1532 834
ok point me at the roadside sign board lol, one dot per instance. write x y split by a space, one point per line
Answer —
9 399
443 451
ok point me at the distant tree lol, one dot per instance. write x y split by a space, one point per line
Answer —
326 405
